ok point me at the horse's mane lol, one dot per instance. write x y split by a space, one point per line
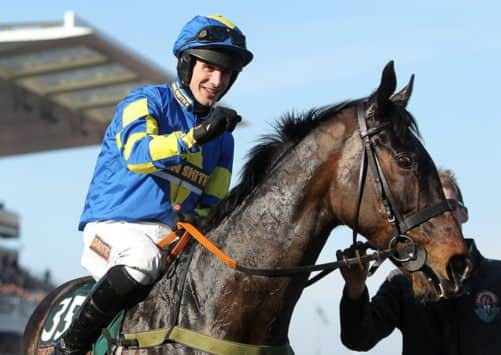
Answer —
290 129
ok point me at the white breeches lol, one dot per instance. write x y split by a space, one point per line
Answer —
132 244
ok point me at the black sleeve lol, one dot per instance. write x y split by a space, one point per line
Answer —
364 323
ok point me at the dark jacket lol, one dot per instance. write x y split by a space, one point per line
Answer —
468 325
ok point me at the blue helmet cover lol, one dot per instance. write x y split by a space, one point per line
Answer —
187 37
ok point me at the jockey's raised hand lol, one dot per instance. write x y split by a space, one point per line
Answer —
222 119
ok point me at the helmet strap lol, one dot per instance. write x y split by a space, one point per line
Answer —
185 64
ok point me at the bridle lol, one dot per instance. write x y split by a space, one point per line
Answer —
411 256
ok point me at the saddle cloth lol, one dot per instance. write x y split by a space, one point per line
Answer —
61 315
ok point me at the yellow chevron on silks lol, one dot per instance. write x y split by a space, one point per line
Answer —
144 168
151 125
131 141
163 147
219 183
134 111
196 158
118 140
203 212
179 193
189 139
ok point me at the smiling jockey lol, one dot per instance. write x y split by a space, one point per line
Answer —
167 150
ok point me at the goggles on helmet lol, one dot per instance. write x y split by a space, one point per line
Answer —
211 34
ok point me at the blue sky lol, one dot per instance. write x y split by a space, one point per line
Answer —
306 54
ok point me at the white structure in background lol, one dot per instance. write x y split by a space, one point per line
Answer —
60 82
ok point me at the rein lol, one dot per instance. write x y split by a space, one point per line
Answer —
188 231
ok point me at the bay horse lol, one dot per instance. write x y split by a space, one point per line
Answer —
359 163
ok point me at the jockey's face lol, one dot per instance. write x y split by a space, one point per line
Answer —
208 82
459 211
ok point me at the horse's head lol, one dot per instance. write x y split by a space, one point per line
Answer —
399 198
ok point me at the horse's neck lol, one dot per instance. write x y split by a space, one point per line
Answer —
269 230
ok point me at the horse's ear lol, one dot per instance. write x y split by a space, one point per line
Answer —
402 97
387 86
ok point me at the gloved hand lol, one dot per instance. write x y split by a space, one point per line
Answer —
222 119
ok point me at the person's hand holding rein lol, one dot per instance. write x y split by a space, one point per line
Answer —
354 275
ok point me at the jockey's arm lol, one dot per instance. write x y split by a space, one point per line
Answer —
143 149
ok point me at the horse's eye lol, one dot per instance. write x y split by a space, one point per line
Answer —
404 160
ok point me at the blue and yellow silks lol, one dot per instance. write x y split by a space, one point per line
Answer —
149 162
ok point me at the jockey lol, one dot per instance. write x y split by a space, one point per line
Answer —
168 149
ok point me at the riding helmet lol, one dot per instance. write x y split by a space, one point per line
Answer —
213 39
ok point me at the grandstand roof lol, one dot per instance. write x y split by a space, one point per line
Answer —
60 82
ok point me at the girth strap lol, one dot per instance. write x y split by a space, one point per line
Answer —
203 342
147 338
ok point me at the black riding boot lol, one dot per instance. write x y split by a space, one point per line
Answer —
113 292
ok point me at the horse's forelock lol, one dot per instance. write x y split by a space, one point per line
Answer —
404 124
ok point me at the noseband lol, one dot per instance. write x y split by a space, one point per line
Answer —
411 256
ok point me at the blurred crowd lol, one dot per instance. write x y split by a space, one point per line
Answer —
14 279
